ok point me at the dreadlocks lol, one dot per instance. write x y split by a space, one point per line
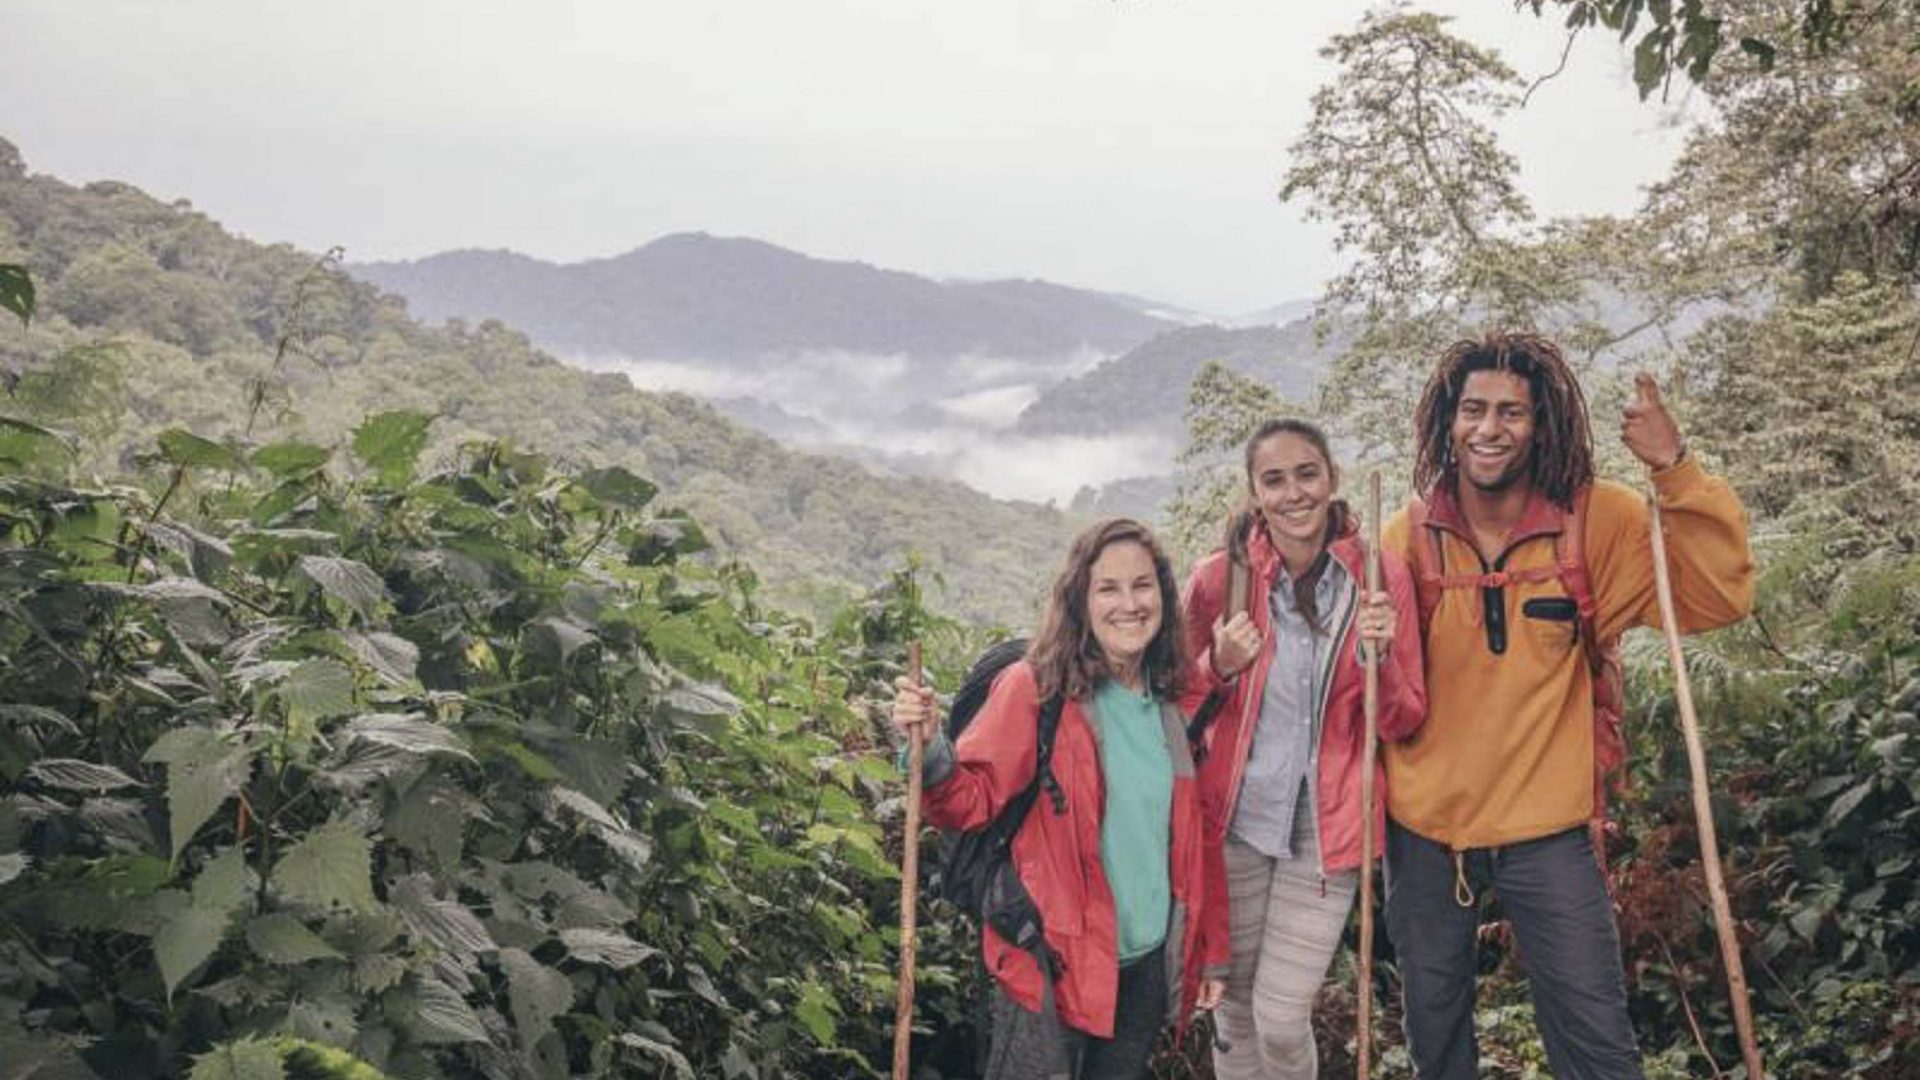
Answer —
1562 458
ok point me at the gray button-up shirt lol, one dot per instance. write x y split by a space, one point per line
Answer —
1287 732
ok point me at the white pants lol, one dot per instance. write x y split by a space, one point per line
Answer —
1285 922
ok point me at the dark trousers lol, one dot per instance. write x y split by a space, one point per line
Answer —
1037 1046
1553 892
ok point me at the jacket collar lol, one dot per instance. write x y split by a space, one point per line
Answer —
1540 517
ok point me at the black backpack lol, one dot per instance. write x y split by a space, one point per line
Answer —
975 871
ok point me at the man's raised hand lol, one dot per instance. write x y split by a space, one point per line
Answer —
1648 428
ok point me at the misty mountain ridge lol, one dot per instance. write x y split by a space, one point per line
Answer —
906 374
695 296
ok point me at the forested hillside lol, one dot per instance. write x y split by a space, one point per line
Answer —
186 324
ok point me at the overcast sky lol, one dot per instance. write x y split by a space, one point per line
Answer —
1131 145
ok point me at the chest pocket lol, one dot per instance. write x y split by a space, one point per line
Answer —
1551 622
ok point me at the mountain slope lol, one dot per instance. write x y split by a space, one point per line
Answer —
1146 389
226 335
695 296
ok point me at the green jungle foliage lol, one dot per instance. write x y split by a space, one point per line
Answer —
317 767
184 320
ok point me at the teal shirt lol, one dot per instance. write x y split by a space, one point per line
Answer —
1136 830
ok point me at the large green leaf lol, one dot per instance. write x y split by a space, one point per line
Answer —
555 641
605 947
280 938
68 774
316 690
536 992
682 1069
25 443
204 769
349 581
198 923
185 941
225 882
16 291
331 867
183 447
437 1013
14 715
431 819
245 1059
815 1011
618 486
446 924
410 732
284 459
392 657
584 806
206 555
328 1019
390 442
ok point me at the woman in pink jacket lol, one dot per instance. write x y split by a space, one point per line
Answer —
1281 774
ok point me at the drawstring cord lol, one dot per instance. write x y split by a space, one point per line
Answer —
1462 892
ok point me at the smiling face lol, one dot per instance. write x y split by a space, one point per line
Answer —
1123 603
1293 484
1493 430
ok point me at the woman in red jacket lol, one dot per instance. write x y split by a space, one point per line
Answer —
1281 776
1117 867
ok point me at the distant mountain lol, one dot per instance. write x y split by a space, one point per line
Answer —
1146 389
698 297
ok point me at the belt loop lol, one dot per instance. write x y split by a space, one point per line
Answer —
1462 892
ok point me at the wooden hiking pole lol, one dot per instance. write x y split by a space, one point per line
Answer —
909 887
1363 1037
1703 808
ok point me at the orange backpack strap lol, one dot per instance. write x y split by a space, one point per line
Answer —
1603 660
1427 567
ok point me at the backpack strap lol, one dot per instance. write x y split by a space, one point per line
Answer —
1046 729
1239 586
1570 557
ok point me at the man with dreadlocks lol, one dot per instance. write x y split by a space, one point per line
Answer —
1521 554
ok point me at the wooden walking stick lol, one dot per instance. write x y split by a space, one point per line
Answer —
1703 809
909 887
1363 1037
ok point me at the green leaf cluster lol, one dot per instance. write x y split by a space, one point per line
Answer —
316 762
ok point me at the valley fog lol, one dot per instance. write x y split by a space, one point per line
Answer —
948 419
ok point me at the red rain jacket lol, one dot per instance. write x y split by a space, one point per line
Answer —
1058 855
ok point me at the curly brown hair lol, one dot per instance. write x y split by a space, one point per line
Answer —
1562 457
1066 657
